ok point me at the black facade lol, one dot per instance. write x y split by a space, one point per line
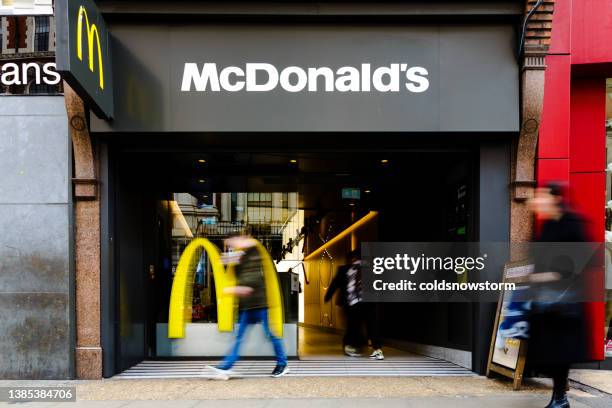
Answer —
449 87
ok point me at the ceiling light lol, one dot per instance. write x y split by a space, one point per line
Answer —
293 161
367 191
201 181
201 161
384 161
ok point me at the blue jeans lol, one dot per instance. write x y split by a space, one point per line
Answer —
247 318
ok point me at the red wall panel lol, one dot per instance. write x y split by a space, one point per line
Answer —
561 30
587 125
588 198
555 124
591 31
582 32
553 170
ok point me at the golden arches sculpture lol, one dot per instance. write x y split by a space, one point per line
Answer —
182 287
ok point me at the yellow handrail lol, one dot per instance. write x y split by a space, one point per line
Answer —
357 224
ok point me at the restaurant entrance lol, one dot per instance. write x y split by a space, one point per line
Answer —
159 197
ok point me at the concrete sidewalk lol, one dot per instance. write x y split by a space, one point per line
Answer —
288 387
506 401
598 379
309 392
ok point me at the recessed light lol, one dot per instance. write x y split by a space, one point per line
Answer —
201 181
367 191
351 204
201 161
384 161
293 161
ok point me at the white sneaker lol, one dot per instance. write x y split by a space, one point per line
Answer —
351 351
377 355
220 374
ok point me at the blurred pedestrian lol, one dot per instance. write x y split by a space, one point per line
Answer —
557 323
348 282
253 306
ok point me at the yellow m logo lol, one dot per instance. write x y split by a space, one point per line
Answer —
92 34
182 290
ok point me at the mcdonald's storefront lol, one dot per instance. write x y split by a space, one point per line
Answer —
312 127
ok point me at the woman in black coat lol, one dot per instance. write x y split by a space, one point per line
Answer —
557 324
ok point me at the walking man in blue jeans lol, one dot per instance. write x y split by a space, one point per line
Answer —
253 307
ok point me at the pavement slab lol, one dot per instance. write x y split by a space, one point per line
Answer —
598 379
310 392
296 387
509 401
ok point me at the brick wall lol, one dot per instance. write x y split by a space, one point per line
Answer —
540 25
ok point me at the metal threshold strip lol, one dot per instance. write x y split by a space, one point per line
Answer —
421 367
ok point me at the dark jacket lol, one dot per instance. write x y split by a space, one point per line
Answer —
569 228
339 282
558 333
250 272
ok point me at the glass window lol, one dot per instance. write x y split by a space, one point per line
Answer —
41 33
188 220
42 89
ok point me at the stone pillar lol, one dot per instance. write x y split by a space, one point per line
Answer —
537 42
242 205
226 207
88 353
532 83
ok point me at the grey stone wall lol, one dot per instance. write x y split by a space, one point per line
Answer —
35 310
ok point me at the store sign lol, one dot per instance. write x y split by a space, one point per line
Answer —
29 73
190 77
83 53
263 77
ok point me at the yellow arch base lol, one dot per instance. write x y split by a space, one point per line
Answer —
182 287
273 293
